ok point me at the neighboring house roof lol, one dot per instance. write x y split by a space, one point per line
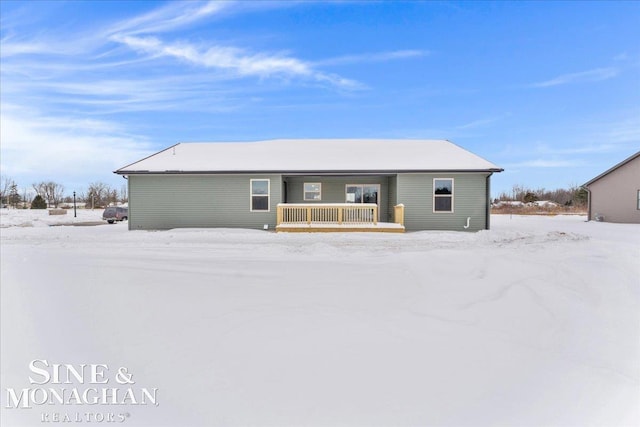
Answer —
312 155
607 172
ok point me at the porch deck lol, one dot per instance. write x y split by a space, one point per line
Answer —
336 217
381 227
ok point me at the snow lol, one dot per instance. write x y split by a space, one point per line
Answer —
545 204
535 322
313 155
516 203
41 217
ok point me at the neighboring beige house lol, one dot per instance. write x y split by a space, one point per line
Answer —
614 196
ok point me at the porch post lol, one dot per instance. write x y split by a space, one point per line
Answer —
398 214
279 215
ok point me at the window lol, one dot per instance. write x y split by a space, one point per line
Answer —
638 199
260 195
443 194
362 193
312 191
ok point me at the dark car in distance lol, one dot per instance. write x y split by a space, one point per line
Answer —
115 213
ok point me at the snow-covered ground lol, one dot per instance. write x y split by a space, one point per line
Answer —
41 217
534 323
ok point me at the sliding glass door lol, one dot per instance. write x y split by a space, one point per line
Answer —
363 193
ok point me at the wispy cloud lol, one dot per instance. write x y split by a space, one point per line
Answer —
584 149
473 128
597 138
72 71
625 132
173 16
76 148
11 49
546 163
624 56
483 122
140 35
77 82
203 93
595 75
107 48
233 59
372 57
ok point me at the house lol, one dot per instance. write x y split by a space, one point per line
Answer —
312 185
614 195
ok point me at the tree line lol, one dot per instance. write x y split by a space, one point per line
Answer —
572 196
52 194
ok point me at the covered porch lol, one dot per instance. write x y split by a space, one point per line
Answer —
336 217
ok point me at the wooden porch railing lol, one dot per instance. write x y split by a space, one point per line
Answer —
327 213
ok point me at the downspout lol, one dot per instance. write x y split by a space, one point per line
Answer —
488 198
284 191
128 201
588 203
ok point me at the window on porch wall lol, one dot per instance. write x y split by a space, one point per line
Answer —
312 191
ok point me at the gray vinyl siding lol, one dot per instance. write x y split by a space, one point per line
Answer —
415 191
334 190
176 201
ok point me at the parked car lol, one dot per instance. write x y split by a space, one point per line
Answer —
113 214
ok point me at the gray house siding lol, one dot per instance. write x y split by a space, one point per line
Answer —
176 201
210 200
334 190
470 200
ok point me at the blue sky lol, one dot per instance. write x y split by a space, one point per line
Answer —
550 91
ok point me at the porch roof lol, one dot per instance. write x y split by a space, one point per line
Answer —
312 156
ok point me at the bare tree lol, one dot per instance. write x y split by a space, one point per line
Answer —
6 184
82 196
98 195
26 196
123 194
51 191
14 196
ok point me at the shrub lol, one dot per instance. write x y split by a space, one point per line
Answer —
38 203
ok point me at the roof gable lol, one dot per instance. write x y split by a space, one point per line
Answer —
312 155
614 168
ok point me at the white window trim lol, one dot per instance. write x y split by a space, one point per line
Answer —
304 192
638 207
433 195
268 195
